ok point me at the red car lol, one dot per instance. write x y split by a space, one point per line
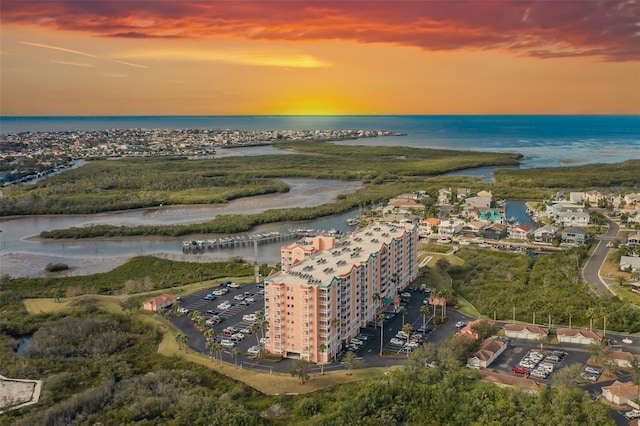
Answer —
520 370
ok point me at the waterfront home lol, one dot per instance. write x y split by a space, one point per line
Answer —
426 226
572 218
577 197
488 351
620 393
494 231
495 216
545 234
525 331
582 337
574 235
593 197
630 263
520 232
473 228
480 203
159 302
450 227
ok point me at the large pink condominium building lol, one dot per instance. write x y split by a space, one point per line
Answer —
329 288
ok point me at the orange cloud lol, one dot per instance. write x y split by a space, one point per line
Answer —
545 29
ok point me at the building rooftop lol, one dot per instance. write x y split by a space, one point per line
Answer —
355 248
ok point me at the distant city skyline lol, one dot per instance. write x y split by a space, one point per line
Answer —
319 57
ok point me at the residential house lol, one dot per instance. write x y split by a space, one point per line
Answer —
494 231
406 202
574 235
450 227
525 331
488 351
159 302
620 393
503 379
473 229
633 241
444 196
572 218
545 234
520 232
426 226
621 358
594 197
478 202
467 330
630 263
633 198
577 197
487 194
575 335
463 193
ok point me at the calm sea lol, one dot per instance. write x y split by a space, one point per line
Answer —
544 140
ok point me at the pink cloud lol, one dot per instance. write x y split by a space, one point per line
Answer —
605 30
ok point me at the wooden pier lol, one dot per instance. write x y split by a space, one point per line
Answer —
201 245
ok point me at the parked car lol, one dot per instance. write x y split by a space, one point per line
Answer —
239 297
224 283
405 295
253 350
460 324
212 312
633 414
412 345
210 296
182 310
249 317
248 300
234 285
227 343
238 336
357 341
225 305
397 342
424 330
593 370
402 335
520 370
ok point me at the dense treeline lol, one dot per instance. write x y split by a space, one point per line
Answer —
141 273
512 182
109 185
133 384
499 281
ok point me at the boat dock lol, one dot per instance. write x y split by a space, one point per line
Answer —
200 245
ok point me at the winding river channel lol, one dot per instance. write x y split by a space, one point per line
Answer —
22 253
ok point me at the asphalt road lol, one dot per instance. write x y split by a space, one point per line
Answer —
591 270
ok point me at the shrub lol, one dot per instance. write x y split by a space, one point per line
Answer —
56 267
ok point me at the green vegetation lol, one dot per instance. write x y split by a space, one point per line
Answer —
551 286
56 267
141 273
512 183
102 367
109 185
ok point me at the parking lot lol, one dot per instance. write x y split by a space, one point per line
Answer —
525 357
242 301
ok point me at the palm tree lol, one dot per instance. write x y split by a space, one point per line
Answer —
180 340
218 348
424 310
443 294
569 312
211 346
177 305
254 329
407 329
335 323
493 304
322 348
235 353
381 320
590 313
209 333
534 305
403 312
513 311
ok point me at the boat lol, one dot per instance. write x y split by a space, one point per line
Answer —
352 221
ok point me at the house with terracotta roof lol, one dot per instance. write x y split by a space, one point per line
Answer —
159 302
502 379
620 393
488 351
520 232
575 335
621 358
467 330
525 331
473 228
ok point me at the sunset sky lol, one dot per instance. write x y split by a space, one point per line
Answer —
319 57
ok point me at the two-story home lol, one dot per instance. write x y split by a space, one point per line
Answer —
545 234
473 229
572 218
520 232
450 227
574 235
633 241
494 231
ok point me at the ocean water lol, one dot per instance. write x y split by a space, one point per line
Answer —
544 140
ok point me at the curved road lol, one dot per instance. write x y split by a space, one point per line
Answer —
591 270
